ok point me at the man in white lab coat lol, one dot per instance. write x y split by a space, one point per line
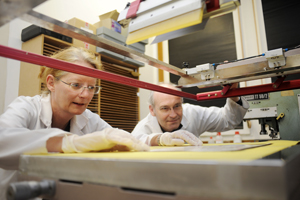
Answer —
170 122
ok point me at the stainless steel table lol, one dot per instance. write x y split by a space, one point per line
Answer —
160 175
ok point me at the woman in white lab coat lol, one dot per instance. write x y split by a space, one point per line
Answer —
58 120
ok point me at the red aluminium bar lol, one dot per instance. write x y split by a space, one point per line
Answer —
37 59
286 85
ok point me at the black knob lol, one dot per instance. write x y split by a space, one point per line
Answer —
30 189
185 65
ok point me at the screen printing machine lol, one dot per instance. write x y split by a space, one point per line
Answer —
257 170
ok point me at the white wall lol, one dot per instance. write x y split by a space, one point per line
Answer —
150 74
4 30
87 10
10 69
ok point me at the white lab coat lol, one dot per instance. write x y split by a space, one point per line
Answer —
196 119
26 126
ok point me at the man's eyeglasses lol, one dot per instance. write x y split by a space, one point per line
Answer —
78 86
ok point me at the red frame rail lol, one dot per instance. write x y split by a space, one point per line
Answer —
37 59
271 87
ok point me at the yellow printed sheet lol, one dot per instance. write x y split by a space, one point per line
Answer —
268 148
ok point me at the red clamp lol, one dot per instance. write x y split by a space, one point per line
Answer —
278 82
225 89
134 6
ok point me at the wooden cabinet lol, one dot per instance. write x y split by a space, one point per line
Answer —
29 84
117 104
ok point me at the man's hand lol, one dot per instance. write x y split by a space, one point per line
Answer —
108 139
179 138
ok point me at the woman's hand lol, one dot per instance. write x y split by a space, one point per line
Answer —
106 140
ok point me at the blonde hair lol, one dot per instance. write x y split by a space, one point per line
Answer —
70 54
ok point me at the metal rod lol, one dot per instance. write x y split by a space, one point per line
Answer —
24 56
11 9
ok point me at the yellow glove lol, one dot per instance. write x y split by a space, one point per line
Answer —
102 140
179 138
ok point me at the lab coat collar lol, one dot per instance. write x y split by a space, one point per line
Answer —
155 125
185 122
78 122
46 110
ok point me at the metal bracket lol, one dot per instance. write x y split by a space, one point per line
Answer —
278 82
275 58
207 71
